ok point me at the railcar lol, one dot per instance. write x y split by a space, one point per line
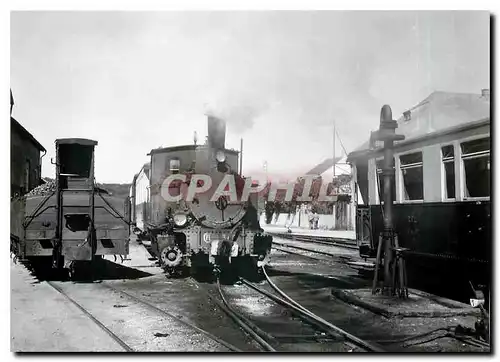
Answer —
202 233
72 223
441 193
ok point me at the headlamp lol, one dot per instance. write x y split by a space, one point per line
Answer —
220 156
180 219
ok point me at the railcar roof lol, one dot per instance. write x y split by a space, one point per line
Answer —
439 112
80 141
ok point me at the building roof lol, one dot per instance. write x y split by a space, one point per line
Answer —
320 168
17 126
439 112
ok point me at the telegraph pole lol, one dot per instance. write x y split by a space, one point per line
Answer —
333 179
334 150
241 157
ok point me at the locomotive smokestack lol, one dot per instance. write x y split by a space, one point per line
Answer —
216 132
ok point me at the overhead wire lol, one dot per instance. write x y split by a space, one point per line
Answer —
340 140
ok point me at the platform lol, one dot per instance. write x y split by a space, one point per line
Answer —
42 320
418 304
341 234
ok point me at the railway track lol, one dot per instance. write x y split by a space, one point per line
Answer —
126 347
117 339
352 261
271 343
322 255
284 245
322 240
182 319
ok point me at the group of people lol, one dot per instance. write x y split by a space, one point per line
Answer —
313 220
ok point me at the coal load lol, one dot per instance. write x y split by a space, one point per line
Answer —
43 190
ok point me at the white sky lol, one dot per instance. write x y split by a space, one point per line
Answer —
136 81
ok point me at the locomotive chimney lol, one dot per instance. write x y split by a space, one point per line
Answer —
216 132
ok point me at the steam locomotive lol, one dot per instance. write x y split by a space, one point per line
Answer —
201 233
73 222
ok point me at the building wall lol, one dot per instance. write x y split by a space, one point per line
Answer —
301 220
23 152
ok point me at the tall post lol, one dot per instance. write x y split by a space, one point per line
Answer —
388 174
241 157
334 150
333 179
387 134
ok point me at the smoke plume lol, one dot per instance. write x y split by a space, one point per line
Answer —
238 111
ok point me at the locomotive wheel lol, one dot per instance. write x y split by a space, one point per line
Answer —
225 270
171 259
72 272
248 269
202 272
81 271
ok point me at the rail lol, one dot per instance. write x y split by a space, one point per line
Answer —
258 335
125 346
323 240
324 325
254 331
180 319
306 249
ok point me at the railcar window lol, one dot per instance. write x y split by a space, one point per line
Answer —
362 178
448 157
412 174
476 161
380 181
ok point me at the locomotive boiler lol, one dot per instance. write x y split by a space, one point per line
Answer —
204 231
70 222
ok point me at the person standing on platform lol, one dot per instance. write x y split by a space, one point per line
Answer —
315 220
311 220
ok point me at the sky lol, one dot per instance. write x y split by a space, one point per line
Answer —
135 81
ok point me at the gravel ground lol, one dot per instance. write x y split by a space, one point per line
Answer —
308 281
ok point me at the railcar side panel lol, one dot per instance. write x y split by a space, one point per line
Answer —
446 241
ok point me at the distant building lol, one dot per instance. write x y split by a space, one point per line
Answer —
25 160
